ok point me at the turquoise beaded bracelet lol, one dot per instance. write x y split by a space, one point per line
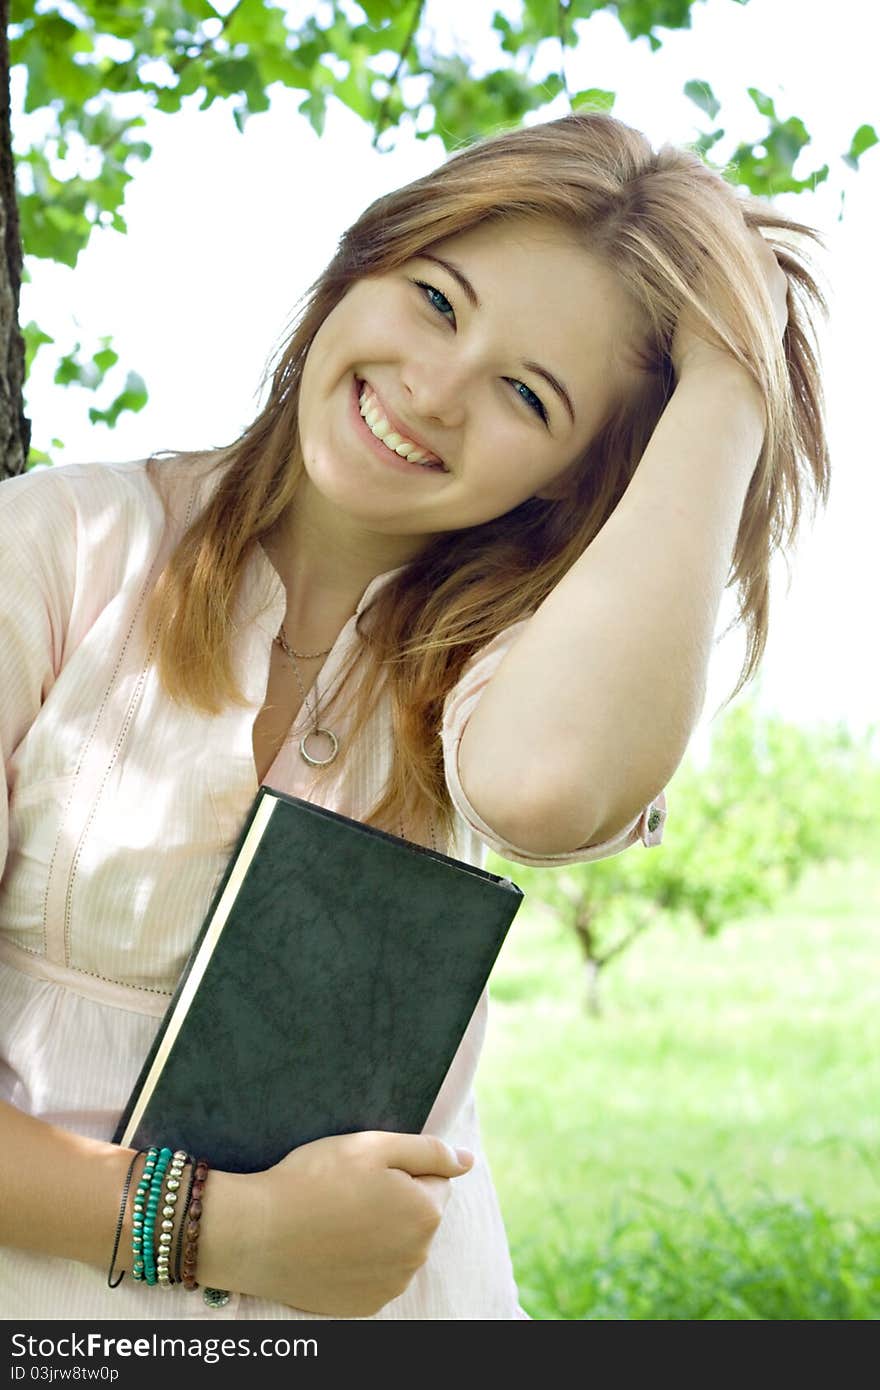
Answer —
137 1221
152 1207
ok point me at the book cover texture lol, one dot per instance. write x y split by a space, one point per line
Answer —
328 990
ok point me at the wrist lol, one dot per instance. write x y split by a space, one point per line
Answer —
229 1238
720 375
726 396
124 1254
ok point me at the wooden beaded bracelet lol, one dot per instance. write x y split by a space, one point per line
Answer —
191 1235
184 1208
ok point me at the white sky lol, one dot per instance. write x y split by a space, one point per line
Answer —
226 231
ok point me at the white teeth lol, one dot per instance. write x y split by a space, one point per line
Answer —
380 427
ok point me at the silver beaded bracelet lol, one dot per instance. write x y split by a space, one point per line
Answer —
169 1207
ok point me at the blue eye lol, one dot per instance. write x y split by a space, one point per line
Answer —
434 298
442 305
529 397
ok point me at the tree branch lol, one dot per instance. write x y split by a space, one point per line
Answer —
561 6
628 937
382 118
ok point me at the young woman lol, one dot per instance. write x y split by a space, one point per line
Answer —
458 580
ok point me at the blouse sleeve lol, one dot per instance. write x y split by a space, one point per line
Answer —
460 703
37 575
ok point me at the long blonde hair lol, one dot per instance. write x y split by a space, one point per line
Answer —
677 234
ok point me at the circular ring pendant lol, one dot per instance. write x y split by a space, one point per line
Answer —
318 762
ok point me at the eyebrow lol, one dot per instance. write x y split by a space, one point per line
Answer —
474 300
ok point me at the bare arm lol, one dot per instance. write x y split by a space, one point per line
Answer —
60 1195
592 708
59 1192
590 712
339 1226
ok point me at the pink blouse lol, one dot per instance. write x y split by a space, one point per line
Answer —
121 812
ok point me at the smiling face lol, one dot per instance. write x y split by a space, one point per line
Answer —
498 351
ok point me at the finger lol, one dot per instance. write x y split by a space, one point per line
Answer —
438 1189
419 1154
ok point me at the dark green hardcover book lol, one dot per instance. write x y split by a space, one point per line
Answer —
327 991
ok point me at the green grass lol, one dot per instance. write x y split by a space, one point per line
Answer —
731 1084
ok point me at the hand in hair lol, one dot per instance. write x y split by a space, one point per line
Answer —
690 349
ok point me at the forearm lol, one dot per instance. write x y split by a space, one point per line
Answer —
591 710
60 1194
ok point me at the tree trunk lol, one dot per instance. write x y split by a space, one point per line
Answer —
15 430
583 926
594 1003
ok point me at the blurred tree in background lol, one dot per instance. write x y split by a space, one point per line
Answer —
772 799
96 68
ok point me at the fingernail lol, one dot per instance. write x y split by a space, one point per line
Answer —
464 1156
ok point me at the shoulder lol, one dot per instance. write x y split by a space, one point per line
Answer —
95 505
77 491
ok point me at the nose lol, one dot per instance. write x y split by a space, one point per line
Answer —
438 389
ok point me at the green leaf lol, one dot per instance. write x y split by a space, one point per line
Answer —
69 370
512 39
233 75
640 17
864 138
382 11
314 108
133 398
34 339
764 103
356 88
257 23
594 99
105 359
51 233
705 141
702 95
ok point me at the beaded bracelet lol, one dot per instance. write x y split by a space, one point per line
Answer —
139 1209
111 1282
172 1185
152 1209
184 1208
194 1212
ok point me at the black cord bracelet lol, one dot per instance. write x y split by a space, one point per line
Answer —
119 1223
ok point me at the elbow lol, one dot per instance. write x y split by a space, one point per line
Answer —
566 819
527 822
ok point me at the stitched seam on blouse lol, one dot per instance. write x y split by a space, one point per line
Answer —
132 707
45 923
93 974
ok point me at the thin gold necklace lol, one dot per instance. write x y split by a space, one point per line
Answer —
283 643
281 639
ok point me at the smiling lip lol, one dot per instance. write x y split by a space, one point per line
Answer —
403 430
